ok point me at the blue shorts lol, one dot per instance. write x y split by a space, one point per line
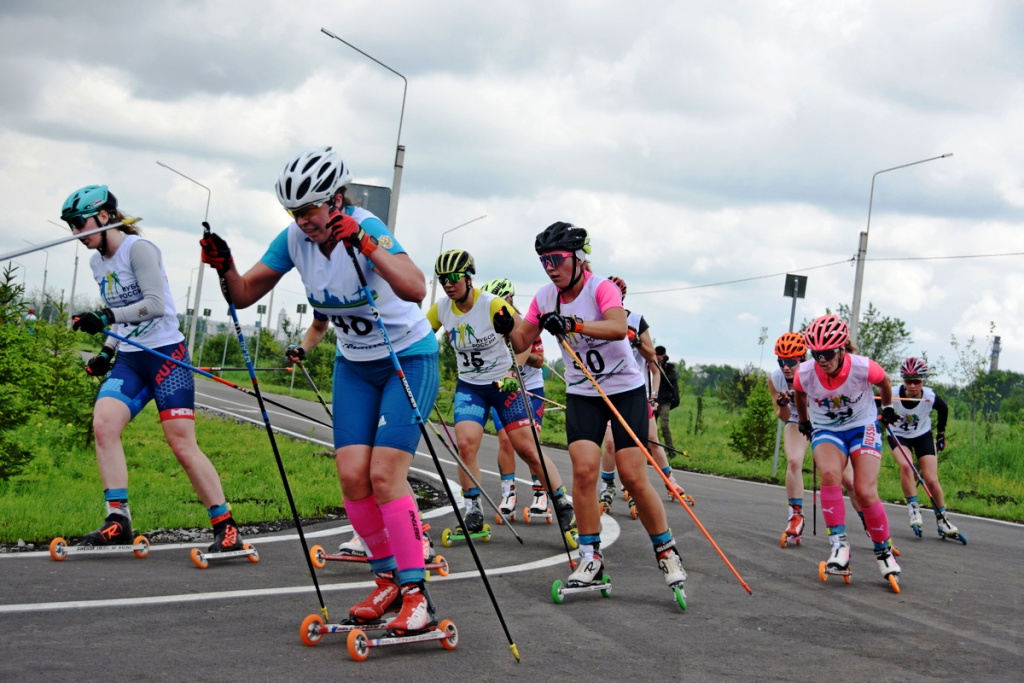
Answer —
370 404
537 400
139 376
472 402
866 440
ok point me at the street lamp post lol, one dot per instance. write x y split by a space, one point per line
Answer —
433 288
46 269
399 149
199 282
862 249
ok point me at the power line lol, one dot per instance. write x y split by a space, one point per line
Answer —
939 258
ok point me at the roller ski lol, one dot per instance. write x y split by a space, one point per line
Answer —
794 532
227 544
947 530
887 565
353 550
507 507
539 508
113 537
606 498
416 622
314 628
475 527
633 512
914 512
838 562
567 521
588 576
673 488
671 565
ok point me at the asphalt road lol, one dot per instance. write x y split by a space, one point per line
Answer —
958 615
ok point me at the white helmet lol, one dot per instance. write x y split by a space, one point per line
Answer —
311 177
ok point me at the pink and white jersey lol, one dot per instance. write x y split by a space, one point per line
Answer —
849 404
633 320
610 362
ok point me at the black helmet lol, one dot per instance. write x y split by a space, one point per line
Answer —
561 236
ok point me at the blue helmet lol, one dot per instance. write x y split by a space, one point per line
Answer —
87 202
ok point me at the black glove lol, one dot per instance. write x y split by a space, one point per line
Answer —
783 400
806 428
295 353
99 364
889 415
558 325
940 441
93 321
503 322
216 251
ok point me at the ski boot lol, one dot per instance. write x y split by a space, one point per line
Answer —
416 622
114 536
507 507
475 526
588 576
795 530
606 498
431 560
351 550
887 565
914 511
838 561
633 512
539 508
671 566
353 547
674 488
384 598
567 521
227 543
947 530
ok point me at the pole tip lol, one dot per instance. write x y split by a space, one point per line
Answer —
131 220
515 651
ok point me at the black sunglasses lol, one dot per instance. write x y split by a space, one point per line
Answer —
77 222
789 362
825 356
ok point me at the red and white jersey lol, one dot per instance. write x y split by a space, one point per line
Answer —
917 420
848 405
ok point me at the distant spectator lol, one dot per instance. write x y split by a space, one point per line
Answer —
30 317
668 394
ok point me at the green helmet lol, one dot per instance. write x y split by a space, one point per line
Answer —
454 261
501 287
87 202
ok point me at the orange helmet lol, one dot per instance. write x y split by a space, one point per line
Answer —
827 332
791 345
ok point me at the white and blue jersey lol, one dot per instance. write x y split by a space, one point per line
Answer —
334 291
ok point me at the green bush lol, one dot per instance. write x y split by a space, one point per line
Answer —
753 437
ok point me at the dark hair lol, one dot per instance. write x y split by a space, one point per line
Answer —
660 351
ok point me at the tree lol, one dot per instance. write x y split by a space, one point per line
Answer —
735 390
880 338
753 436
967 371
705 377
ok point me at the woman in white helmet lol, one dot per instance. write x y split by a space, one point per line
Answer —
375 434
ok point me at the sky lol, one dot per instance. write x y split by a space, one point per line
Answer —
699 143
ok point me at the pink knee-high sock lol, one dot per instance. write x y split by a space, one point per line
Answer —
877 521
368 522
402 518
833 507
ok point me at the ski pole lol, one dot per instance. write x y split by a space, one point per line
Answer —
71 238
814 495
540 453
908 400
270 432
452 450
201 371
217 368
555 372
906 456
315 390
547 400
430 446
636 439
668 448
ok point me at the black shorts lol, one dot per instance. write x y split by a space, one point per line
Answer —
918 445
587 416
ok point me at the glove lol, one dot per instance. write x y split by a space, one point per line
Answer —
508 384
346 229
633 337
216 251
889 415
295 353
806 428
940 441
783 400
559 325
93 322
503 323
99 364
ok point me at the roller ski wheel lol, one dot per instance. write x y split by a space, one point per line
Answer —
894 582
680 596
824 570
572 537
60 549
956 536
687 498
314 628
633 512
448 536
438 564
318 556
559 590
917 530
510 515
531 515
786 539
202 559
359 644
606 508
